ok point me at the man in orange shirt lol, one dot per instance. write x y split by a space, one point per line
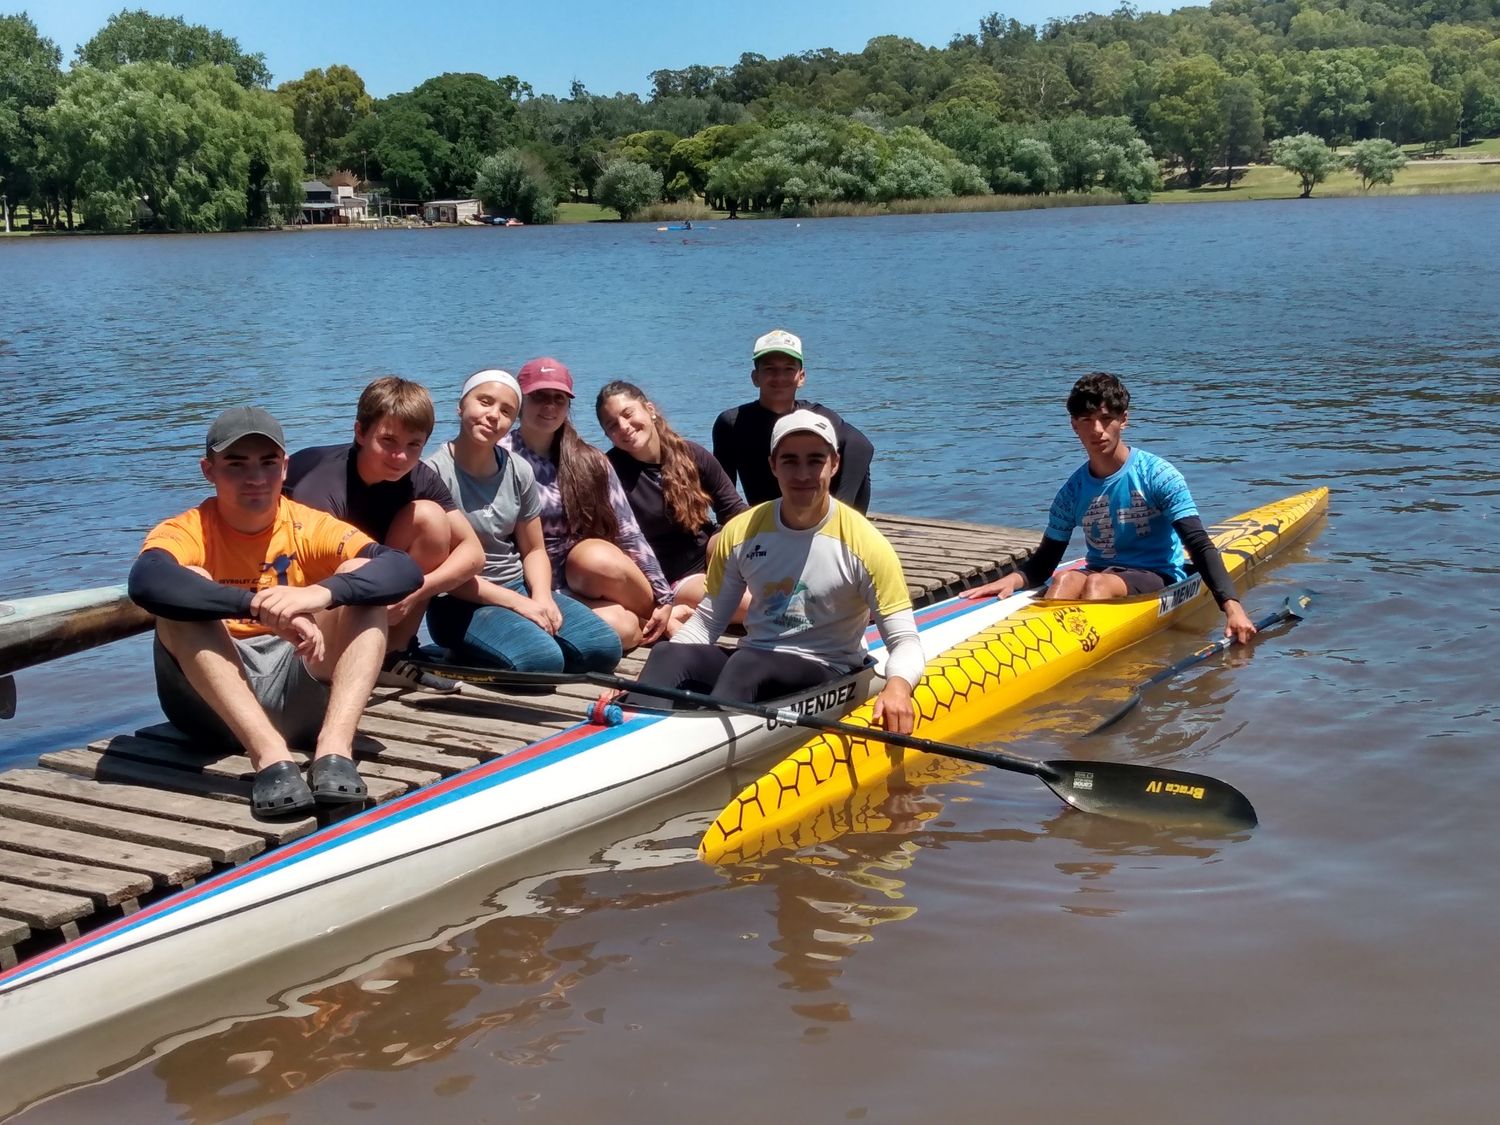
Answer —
271 624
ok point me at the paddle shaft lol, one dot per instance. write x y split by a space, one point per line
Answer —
784 715
1104 788
1286 612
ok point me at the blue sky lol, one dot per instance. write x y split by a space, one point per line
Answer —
395 44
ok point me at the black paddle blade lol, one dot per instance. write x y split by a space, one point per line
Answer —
1148 794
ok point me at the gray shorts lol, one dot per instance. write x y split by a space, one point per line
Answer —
294 700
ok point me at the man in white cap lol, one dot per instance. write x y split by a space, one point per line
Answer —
271 620
817 571
742 434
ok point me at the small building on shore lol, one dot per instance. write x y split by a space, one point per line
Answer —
323 204
318 203
452 210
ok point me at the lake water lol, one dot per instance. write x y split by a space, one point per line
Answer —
985 955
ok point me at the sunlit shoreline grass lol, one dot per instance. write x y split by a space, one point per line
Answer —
1259 183
1420 177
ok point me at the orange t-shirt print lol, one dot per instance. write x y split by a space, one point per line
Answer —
302 546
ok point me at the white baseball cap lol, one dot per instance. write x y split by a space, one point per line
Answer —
779 340
804 421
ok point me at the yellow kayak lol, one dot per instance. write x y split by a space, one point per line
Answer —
997 669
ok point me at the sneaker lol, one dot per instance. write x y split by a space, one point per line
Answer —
399 672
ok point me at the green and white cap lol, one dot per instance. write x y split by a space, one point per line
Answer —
779 340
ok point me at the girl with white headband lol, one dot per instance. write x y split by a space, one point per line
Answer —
510 615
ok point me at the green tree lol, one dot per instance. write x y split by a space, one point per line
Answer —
192 148
628 186
404 151
325 105
1376 162
1479 100
515 183
139 36
694 157
652 147
1243 135
1414 106
30 72
472 116
1307 156
1333 98
1188 114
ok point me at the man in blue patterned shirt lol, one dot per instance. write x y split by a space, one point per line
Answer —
1138 518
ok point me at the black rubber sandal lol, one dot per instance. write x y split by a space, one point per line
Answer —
280 791
335 781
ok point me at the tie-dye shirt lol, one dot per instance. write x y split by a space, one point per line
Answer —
560 538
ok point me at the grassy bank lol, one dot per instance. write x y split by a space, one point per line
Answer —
1420 177
584 213
1456 173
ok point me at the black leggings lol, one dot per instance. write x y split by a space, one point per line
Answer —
746 675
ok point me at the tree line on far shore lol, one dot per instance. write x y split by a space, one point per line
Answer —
166 125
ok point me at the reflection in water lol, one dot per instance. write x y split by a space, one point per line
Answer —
838 882
503 982
498 971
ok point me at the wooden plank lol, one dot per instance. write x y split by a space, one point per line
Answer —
42 909
52 625
137 799
105 886
475 716
929 553
179 754
375 761
167 868
219 844
13 932
225 792
458 745
882 518
953 542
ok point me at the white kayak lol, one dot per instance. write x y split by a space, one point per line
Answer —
397 852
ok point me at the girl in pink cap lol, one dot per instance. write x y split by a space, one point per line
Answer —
597 550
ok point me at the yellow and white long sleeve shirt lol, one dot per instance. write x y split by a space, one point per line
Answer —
811 591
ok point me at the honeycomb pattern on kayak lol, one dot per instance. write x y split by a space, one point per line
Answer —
952 679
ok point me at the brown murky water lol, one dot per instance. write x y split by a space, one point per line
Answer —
976 952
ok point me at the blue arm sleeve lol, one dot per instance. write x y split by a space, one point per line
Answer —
388 577
161 585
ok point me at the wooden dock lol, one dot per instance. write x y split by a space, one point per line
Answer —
91 833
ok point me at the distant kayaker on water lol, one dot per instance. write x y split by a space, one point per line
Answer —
271 619
597 550
379 484
742 434
674 486
509 616
816 571
1138 518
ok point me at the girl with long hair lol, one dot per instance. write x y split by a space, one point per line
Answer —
674 486
509 615
597 550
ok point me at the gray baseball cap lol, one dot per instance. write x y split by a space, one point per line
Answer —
242 421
